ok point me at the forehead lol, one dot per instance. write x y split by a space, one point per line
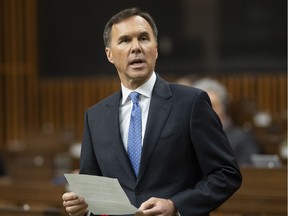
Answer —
134 24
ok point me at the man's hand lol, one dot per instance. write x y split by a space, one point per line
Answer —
74 205
157 206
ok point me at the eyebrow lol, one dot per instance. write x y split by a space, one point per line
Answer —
123 37
143 33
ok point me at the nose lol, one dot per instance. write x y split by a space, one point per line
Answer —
135 46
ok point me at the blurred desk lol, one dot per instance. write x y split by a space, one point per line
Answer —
30 198
263 193
16 211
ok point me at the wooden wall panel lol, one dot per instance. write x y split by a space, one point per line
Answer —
2 109
17 68
29 102
267 90
64 101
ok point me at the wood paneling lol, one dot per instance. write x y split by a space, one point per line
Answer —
31 198
18 64
28 102
63 101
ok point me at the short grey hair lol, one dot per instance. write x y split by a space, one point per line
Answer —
212 85
124 14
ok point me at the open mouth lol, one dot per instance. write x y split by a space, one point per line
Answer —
136 61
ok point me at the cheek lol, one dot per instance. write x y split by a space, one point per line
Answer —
118 57
153 54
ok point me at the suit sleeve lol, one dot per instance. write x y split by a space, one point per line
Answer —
220 172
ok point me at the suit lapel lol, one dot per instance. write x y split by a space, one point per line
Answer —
112 115
159 110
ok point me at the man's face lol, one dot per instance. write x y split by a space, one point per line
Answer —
133 51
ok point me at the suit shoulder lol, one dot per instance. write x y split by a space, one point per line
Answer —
179 88
108 101
188 93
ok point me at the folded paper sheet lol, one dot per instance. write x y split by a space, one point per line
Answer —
103 195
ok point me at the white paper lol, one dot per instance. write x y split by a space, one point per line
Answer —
103 195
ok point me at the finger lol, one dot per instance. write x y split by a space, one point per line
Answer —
77 210
153 210
69 196
147 205
74 202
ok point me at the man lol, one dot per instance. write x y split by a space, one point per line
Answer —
187 165
241 141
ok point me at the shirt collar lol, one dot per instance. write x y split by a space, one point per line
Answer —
145 89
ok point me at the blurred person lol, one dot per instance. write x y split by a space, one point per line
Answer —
242 142
187 79
186 165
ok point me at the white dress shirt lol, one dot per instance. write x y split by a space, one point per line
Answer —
126 105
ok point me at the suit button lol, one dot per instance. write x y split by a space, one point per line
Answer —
138 191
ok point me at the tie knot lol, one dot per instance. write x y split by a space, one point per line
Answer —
134 96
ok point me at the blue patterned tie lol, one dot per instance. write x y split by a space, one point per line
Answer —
135 133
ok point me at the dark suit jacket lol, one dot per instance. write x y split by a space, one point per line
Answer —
186 155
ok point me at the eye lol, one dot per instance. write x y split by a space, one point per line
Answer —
144 38
124 40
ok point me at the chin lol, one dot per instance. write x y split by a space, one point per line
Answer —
138 72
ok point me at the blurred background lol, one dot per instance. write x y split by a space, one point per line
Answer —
53 67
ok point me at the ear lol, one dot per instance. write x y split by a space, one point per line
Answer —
156 51
109 55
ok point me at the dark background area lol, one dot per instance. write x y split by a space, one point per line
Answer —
251 35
